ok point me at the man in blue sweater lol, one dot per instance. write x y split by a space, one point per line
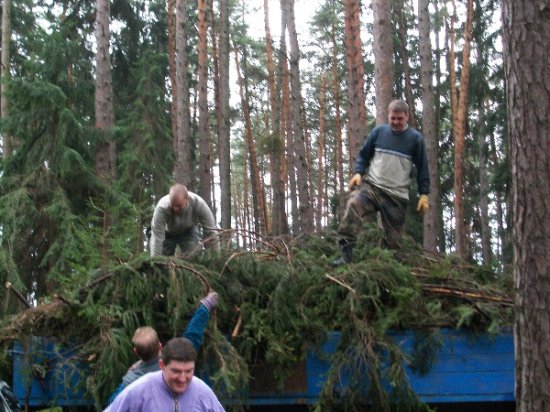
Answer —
147 345
382 178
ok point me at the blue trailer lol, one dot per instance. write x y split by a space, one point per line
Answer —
468 368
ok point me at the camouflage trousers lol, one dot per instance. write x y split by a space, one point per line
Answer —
363 203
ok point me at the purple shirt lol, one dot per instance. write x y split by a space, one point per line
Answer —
150 394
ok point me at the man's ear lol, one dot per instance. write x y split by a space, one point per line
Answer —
136 352
161 364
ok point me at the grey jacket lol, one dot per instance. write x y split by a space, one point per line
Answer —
166 222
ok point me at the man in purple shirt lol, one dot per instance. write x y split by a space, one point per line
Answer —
173 388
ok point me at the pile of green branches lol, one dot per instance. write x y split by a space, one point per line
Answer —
275 303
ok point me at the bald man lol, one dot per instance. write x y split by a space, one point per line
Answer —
176 220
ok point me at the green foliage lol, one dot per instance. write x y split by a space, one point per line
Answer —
288 299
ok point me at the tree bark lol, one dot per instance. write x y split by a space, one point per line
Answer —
486 252
258 194
357 113
321 156
205 177
106 149
460 110
383 58
183 168
224 130
286 124
340 185
526 34
483 154
402 35
5 70
279 224
437 91
432 218
172 69
500 199
245 209
302 178
105 155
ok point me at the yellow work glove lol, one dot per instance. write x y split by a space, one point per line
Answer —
423 204
355 181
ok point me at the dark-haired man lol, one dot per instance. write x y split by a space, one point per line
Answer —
173 388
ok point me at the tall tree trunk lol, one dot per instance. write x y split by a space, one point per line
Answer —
500 198
526 29
258 195
483 152
105 155
286 123
383 58
222 111
460 110
279 219
245 208
224 121
5 71
321 155
432 218
402 35
484 202
183 168
357 113
340 185
104 112
205 177
172 69
302 178
437 92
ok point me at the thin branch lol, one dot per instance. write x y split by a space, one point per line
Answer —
348 287
18 295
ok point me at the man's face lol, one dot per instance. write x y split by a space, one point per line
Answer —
177 374
179 203
398 120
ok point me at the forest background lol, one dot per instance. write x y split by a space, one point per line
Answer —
266 128
105 104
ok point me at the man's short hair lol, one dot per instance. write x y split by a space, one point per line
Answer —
178 349
176 191
398 106
146 343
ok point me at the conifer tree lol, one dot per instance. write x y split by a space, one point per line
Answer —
5 73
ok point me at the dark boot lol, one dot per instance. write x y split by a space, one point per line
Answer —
347 248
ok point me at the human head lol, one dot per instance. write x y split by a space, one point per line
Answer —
398 115
177 362
146 343
179 198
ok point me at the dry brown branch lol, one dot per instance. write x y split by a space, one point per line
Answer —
238 325
341 283
263 240
18 294
236 254
96 282
466 294
182 265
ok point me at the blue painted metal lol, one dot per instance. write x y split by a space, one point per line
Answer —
43 375
467 368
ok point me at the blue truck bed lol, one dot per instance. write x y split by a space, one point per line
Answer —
467 368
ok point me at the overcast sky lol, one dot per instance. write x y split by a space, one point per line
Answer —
303 11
